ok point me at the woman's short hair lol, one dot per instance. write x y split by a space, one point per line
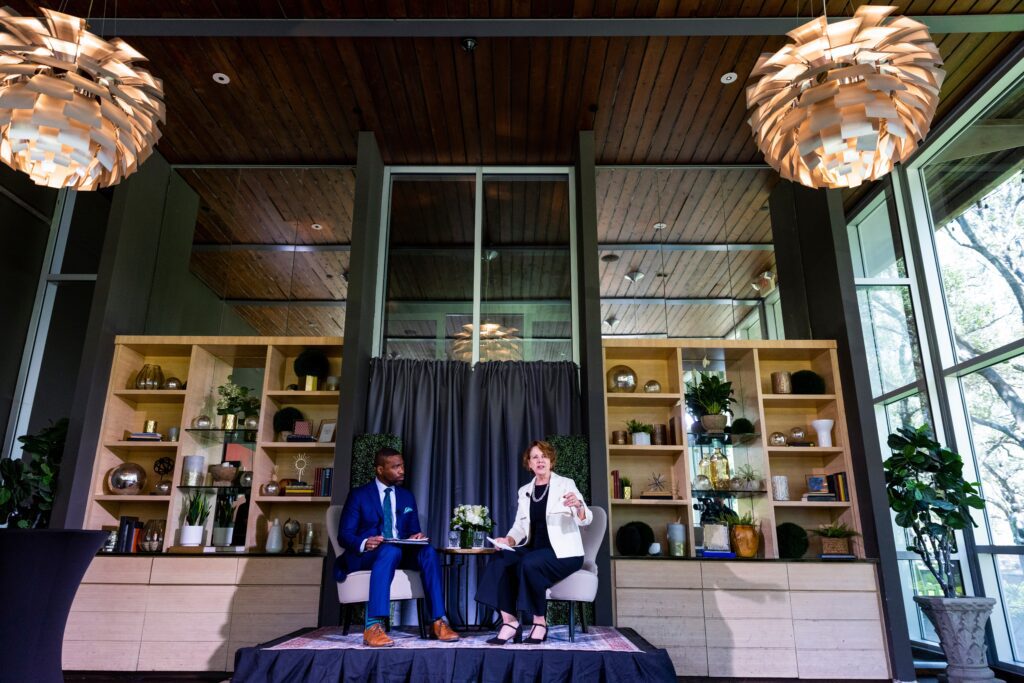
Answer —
547 449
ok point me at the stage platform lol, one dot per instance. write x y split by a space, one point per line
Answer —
326 656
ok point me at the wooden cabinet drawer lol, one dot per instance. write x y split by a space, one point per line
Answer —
763 633
744 576
645 602
836 634
195 599
186 627
200 571
667 631
831 577
276 600
259 628
656 574
689 661
304 571
836 665
104 626
746 605
93 655
110 597
751 662
177 656
841 606
119 570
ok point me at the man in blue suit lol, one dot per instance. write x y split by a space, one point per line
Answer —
373 515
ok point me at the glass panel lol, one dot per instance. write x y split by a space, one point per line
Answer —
923 583
890 336
976 195
526 288
85 233
911 412
995 402
1010 569
429 289
876 246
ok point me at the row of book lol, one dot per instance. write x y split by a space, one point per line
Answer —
143 436
323 480
618 490
836 489
129 535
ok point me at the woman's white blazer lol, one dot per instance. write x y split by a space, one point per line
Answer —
563 522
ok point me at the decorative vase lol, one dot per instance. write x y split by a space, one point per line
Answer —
780 487
641 438
621 379
716 536
275 538
660 437
835 546
676 539
745 540
627 493
466 539
222 535
960 623
192 471
713 423
127 479
192 535
824 430
149 377
229 422
223 474
619 438
652 387
782 382
153 536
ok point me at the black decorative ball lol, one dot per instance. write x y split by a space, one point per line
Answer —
312 362
742 425
807 382
285 419
793 541
634 539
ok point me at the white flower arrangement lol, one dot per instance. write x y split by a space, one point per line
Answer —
475 517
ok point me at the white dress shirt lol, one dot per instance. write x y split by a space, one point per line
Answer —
394 511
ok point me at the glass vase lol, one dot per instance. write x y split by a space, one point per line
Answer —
466 539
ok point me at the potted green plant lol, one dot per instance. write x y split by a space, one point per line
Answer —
743 535
224 521
709 401
747 478
928 493
640 432
627 488
236 400
197 509
835 538
714 524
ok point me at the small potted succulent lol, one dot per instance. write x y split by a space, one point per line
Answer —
928 493
640 432
709 400
197 509
746 479
743 534
224 521
835 538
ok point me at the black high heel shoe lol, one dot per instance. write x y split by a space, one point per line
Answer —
516 637
536 641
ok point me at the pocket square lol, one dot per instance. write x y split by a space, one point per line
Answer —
407 509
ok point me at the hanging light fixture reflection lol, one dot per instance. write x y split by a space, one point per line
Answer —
75 111
497 342
843 102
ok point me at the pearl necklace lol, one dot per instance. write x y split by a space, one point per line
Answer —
533 495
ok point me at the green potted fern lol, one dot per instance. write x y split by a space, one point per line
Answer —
197 510
709 401
640 432
835 538
927 491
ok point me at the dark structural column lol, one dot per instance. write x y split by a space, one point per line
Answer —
819 301
360 315
588 287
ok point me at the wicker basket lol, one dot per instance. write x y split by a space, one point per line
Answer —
835 546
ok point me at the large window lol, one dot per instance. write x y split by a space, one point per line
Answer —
479 265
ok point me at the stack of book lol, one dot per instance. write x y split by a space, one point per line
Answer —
129 533
143 436
617 489
838 484
323 480
299 488
819 497
304 438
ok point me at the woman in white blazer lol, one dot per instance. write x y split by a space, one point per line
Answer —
547 548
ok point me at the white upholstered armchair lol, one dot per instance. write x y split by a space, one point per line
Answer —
581 586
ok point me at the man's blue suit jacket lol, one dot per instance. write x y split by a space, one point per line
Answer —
363 517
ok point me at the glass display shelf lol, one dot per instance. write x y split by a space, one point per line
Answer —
727 493
211 487
239 436
727 439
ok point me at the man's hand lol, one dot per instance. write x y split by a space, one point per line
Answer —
417 537
372 542
509 541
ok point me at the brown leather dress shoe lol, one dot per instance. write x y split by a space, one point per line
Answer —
376 637
442 631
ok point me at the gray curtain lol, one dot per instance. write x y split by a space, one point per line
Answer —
464 430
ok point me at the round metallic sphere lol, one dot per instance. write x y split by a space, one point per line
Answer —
162 488
777 439
797 433
652 387
621 379
127 479
172 383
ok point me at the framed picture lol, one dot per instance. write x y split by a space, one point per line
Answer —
326 432
817 483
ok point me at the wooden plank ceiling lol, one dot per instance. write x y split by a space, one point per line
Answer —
513 101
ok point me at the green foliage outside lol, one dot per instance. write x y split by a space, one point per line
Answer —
28 485
364 449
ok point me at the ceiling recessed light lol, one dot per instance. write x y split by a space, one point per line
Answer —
317 226
660 226
490 255
611 321
728 77
610 258
635 276
468 44
223 79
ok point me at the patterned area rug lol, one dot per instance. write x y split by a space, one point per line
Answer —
597 638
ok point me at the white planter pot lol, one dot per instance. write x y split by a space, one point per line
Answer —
824 430
641 439
192 535
716 537
960 623
222 535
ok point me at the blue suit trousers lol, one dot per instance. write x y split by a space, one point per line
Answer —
385 560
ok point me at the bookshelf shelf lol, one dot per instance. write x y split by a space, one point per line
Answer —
643 400
291 500
653 502
302 397
136 396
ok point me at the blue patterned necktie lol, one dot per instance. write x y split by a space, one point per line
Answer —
389 517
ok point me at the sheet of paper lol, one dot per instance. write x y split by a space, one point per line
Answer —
501 545
407 541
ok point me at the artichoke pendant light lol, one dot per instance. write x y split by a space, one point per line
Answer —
75 111
843 102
